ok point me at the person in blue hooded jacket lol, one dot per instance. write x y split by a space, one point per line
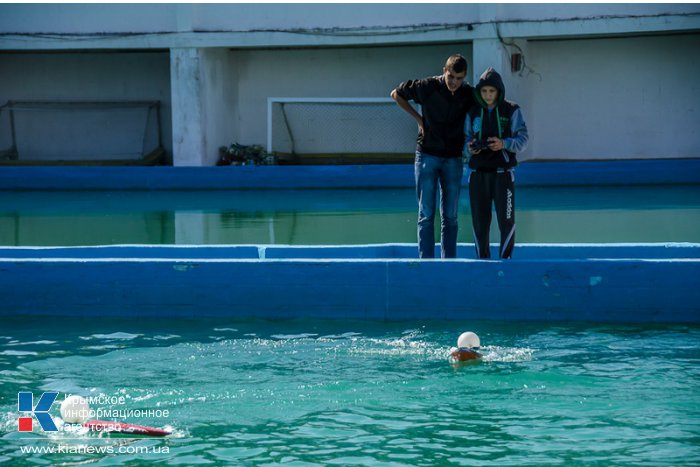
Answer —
495 132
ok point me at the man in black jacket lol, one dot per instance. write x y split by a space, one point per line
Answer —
444 102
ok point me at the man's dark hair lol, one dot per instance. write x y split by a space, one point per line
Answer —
456 63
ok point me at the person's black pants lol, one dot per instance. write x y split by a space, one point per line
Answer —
485 189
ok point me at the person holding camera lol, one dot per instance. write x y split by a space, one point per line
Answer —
495 132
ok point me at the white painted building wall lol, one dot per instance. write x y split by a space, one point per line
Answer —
615 98
583 99
300 18
82 76
607 81
345 72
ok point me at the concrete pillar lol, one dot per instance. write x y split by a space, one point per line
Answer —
490 53
201 108
217 105
185 85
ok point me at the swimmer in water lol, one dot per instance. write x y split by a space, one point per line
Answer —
467 348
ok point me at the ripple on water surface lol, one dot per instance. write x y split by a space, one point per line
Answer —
343 393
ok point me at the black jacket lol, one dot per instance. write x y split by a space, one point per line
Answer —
443 114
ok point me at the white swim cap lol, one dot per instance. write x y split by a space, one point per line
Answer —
75 409
468 340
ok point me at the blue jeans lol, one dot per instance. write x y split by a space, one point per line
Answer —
431 172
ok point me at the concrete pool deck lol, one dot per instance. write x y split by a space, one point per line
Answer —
556 282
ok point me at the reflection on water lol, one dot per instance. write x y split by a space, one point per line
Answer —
302 217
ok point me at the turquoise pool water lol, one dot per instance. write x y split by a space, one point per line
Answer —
307 217
362 393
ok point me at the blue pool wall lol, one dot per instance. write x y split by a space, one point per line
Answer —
578 173
635 283
386 251
603 283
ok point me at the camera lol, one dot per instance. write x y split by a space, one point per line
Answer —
479 144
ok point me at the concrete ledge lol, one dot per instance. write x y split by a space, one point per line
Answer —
616 283
384 251
575 173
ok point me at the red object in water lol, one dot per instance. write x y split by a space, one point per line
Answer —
463 355
126 428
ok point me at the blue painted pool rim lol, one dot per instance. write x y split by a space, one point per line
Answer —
381 251
631 283
570 173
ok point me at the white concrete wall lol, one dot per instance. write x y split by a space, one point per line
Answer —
587 97
567 11
227 17
614 98
218 102
582 99
156 18
87 18
349 72
84 76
